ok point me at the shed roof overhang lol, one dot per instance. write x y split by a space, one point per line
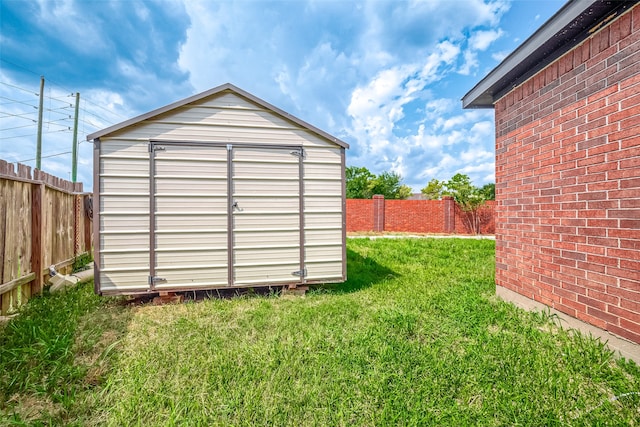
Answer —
212 92
573 23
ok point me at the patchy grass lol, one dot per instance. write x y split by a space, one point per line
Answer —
415 337
55 354
81 261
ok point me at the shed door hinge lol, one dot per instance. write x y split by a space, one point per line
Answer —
154 148
298 153
300 273
153 280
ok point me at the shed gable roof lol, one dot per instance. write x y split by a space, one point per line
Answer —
573 23
211 93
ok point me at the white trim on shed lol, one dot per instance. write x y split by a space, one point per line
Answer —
221 189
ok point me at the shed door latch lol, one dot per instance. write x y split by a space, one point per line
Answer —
300 273
298 153
153 280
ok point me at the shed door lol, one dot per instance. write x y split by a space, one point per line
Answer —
267 213
225 215
189 216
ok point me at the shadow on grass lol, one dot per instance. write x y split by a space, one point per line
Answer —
362 272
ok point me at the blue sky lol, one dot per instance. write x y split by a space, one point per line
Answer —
384 76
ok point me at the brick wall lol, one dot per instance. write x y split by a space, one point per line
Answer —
413 216
359 215
418 216
487 218
568 182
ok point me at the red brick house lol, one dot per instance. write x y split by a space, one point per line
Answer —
567 117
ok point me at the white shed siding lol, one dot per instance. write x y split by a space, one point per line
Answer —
266 187
229 134
323 213
190 246
189 183
124 216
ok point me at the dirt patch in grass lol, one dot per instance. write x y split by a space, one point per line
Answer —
29 407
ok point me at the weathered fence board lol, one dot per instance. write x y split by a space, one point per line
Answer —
42 223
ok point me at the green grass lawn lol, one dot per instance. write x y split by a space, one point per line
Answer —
415 337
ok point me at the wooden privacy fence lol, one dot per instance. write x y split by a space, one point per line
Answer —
44 221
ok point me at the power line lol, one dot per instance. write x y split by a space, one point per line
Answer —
20 116
54 122
20 127
108 111
45 157
33 72
31 135
90 123
19 66
18 87
65 105
18 102
16 136
61 98
97 116
14 101
62 111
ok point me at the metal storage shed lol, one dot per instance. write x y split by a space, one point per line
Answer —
218 190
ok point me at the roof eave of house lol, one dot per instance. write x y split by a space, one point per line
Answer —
210 92
573 23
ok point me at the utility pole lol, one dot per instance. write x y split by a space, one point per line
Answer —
74 150
39 137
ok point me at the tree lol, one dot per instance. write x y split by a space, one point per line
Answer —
362 184
389 184
433 190
358 182
468 197
404 192
489 191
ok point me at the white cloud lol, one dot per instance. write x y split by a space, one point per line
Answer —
376 107
483 129
141 11
402 28
437 107
205 49
475 154
370 72
470 63
482 39
445 53
395 118
60 19
499 56
474 169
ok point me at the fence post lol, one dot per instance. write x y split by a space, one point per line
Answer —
378 212
449 206
77 219
37 228
87 225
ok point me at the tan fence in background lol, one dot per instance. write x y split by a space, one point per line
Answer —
43 222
